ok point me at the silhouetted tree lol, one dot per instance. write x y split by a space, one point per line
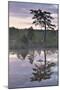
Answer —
43 18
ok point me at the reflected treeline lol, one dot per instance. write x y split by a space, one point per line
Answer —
30 54
42 72
22 53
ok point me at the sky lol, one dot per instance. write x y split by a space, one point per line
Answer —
20 16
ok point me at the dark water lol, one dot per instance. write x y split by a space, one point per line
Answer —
27 68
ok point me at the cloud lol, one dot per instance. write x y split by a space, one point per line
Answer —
55 20
22 8
19 22
55 6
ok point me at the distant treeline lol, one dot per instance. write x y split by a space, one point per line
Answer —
32 38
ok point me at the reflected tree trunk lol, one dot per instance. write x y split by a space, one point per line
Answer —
45 56
45 44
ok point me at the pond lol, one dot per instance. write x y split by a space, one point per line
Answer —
27 68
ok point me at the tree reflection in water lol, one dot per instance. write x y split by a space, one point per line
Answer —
22 54
42 72
31 56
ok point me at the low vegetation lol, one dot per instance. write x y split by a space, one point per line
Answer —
32 38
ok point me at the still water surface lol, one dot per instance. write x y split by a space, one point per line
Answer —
24 73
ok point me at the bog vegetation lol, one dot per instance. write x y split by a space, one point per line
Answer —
31 38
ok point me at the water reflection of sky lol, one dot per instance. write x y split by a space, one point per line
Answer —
38 55
20 72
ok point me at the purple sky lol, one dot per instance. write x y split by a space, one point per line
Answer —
19 13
